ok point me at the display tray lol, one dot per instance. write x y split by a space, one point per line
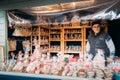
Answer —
116 76
27 76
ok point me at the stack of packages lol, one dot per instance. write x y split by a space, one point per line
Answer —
64 65
18 65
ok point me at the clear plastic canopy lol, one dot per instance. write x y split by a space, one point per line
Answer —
66 12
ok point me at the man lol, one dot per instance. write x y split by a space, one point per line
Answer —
99 40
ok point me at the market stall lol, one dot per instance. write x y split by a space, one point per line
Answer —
51 44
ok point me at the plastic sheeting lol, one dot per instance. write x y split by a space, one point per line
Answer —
96 9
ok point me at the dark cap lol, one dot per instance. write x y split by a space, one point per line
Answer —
96 22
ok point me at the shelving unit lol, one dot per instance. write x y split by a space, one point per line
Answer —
44 39
73 39
35 38
40 36
66 39
55 40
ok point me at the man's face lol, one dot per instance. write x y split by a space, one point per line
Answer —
96 28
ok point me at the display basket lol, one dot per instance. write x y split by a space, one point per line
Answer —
75 24
65 24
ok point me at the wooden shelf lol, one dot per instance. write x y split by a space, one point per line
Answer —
55 40
72 32
54 33
57 28
44 43
73 40
71 27
44 34
72 51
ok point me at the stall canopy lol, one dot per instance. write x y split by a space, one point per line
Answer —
65 12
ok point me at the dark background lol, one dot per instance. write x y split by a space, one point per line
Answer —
114 32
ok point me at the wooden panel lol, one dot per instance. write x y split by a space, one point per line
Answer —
2 57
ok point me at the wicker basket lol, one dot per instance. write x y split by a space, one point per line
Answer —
44 25
75 24
65 24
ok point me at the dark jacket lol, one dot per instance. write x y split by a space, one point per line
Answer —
98 42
